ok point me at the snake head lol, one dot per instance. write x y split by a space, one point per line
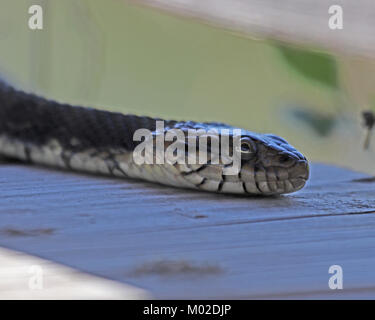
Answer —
269 165
216 158
272 166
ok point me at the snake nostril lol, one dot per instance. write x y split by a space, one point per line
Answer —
284 158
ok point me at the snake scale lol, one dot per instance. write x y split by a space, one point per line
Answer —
45 132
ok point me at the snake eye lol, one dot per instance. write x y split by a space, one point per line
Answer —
245 147
248 148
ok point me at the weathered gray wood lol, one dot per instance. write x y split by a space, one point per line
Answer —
186 244
298 21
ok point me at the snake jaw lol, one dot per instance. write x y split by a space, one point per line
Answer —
279 168
276 168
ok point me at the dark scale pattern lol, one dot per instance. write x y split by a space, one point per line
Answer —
36 120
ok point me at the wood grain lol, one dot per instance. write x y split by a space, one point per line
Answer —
185 244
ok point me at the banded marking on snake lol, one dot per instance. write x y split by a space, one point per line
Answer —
45 132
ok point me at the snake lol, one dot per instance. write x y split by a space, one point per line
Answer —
42 131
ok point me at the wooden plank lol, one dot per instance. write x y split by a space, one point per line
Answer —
27 277
186 244
296 21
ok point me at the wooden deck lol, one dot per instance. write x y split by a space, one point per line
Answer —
185 244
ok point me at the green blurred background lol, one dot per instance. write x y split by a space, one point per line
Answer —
118 56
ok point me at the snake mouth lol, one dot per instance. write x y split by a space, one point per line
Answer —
297 177
276 180
296 183
270 188
251 180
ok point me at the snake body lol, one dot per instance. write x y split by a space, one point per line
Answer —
41 131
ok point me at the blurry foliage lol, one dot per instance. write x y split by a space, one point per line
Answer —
313 65
322 124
